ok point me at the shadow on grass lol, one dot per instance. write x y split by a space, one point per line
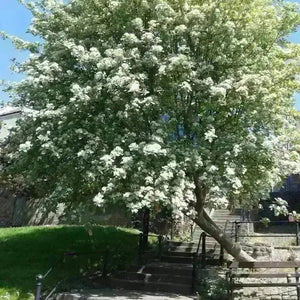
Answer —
28 251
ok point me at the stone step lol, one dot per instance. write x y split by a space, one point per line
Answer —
147 277
168 268
177 259
217 213
225 217
212 261
221 222
180 253
209 248
184 289
182 244
225 213
229 220
209 245
181 249
209 241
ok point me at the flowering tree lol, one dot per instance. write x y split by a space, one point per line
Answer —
188 103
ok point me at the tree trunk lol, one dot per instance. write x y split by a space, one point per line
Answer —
209 226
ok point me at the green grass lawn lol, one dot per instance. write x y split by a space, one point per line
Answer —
28 251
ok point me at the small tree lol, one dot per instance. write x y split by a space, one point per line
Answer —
188 103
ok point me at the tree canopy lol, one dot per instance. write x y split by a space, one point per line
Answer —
186 103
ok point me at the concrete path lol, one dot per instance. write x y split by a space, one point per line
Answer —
108 294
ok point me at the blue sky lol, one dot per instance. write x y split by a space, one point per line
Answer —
15 19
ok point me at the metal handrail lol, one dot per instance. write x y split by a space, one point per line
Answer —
40 278
238 223
142 246
196 256
195 263
199 243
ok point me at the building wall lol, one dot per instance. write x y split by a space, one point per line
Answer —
7 201
7 123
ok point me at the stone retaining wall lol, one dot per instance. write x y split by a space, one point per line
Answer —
266 293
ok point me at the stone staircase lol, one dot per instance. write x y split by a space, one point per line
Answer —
224 219
173 272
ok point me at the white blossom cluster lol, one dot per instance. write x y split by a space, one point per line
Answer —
279 207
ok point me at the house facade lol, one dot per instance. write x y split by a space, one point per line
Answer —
8 201
8 118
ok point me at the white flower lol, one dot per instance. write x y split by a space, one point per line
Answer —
126 160
210 135
126 195
78 51
222 202
134 87
25 147
162 69
130 39
119 173
213 169
106 63
137 23
180 29
195 15
230 171
107 159
237 184
166 175
208 81
163 9
280 201
215 189
94 54
179 61
157 49
81 153
236 149
75 89
113 4
268 144
153 148
243 91
133 147
43 138
148 37
218 91
98 200
118 151
51 4
185 86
